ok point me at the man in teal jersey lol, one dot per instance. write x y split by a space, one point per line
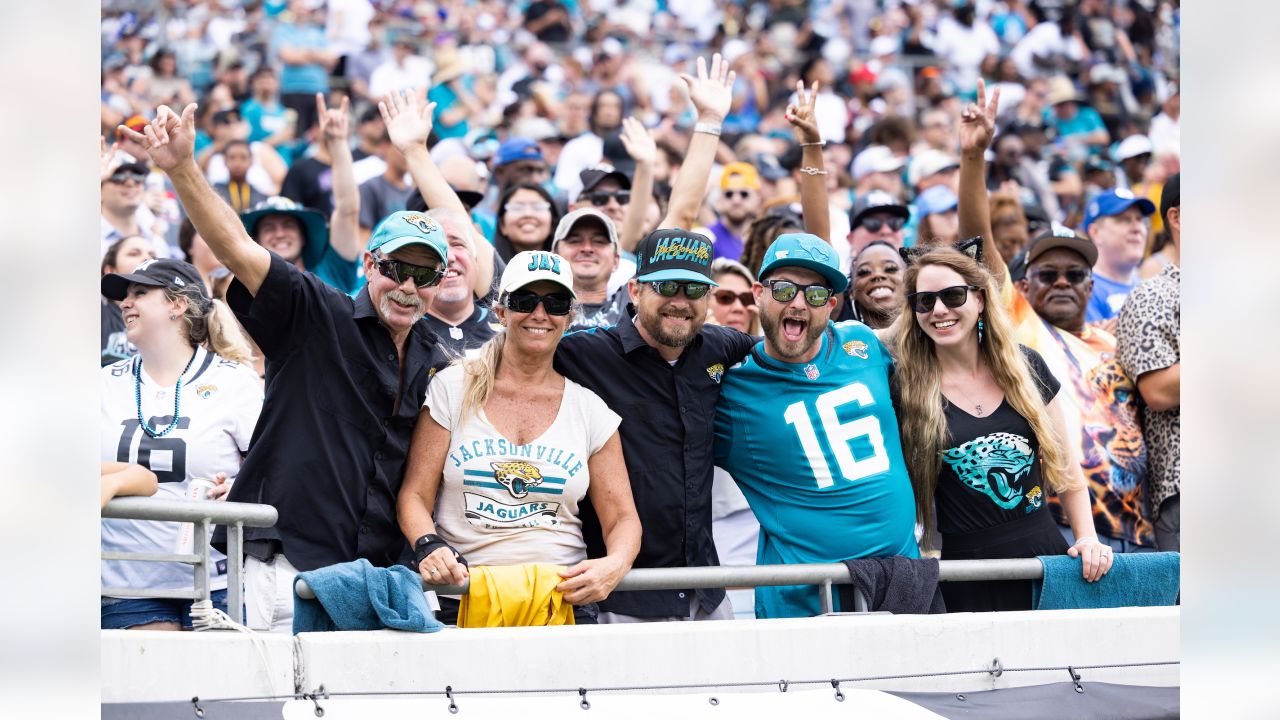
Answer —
807 428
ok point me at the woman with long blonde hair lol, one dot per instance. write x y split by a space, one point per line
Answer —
982 431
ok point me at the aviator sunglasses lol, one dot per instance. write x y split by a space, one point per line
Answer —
784 291
525 302
952 297
399 270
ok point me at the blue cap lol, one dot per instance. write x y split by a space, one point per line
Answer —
806 251
402 229
517 148
1114 202
937 199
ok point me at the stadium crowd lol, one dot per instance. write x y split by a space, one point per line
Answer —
469 283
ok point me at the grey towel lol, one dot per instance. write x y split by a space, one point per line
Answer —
903 586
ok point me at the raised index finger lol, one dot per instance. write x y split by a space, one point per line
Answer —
982 94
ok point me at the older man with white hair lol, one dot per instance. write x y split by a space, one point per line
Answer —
453 314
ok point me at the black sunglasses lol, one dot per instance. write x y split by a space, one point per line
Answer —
731 194
399 270
952 297
121 178
1049 276
600 198
525 302
669 288
784 291
726 297
873 224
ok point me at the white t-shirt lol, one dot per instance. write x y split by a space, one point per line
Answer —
220 403
503 504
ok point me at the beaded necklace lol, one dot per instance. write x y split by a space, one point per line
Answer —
177 398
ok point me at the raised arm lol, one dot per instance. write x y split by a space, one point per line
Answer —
977 129
170 142
711 94
813 178
642 148
344 222
407 116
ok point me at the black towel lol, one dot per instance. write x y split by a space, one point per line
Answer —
895 584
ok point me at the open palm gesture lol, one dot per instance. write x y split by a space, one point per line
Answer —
407 115
712 90
169 139
801 114
638 141
978 121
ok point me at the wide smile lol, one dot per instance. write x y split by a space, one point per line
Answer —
880 292
793 328
945 324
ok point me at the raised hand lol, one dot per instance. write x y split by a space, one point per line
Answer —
169 140
334 124
638 141
801 114
407 116
711 91
106 158
978 121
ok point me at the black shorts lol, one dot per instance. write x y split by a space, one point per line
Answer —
1031 536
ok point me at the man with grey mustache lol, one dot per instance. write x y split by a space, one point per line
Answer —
345 379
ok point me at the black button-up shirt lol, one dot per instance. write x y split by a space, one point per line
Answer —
667 430
330 446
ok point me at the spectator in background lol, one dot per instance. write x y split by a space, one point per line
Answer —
877 168
764 230
939 219
548 20
1115 222
122 257
200 256
519 161
269 120
1076 125
832 110
452 90
933 167
605 189
877 216
1009 229
738 204
587 149
1015 169
300 46
461 324
387 193
1149 348
937 132
240 194
527 217
360 65
267 169
403 70
1165 133
966 45
165 86
122 206
733 305
588 240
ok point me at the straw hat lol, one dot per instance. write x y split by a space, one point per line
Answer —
1060 90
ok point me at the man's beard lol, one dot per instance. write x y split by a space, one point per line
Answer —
403 298
653 324
786 349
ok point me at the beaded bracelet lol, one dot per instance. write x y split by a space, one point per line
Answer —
810 170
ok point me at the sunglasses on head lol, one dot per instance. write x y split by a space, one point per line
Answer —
873 224
600 198
1049 276
726 297
399 271
784 291
526 301
124 176
669 288
952 297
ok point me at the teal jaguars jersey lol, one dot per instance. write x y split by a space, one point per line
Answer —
815 448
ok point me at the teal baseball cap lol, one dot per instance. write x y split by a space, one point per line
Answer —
806 251
404 228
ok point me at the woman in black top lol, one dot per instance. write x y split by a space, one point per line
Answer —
982 432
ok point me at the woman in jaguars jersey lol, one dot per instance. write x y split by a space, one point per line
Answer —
982 432
182 408
506 449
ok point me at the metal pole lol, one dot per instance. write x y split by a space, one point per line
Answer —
860 603
235 575
824 592
200 537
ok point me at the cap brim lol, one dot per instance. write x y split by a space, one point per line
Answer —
314 227
839 281
115 286
616 175
899 210
400 243
1087 250
469 198
677 274
550 277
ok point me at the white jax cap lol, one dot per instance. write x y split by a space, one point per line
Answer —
531 266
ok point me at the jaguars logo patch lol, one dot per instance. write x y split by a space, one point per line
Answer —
517 476
422 222
205 391
716 372
430 374
856 348
1034 498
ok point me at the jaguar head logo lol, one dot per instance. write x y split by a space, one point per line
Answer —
517 476
994 465
856 348
716 372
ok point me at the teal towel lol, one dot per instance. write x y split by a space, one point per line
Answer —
358 596
1135 580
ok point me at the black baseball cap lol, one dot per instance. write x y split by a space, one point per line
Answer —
165 272
592 177
877 201
674 254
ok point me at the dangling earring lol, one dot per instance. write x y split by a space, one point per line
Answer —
173 317
979 331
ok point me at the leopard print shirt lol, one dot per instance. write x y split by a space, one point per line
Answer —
1148 339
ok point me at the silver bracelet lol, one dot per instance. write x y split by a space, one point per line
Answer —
708 128
820 143
810 170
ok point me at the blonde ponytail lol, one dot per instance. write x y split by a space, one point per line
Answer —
225 336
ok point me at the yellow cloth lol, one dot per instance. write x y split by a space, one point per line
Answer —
515 596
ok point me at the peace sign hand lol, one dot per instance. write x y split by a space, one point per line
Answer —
978 122
801 114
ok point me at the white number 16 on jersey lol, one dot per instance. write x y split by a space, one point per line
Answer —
839 434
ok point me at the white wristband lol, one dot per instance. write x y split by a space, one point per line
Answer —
708 128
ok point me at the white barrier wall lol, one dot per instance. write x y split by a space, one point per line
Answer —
147 667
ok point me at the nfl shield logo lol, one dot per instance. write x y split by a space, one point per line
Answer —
811 372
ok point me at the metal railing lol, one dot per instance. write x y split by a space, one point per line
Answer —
203 514
824 575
